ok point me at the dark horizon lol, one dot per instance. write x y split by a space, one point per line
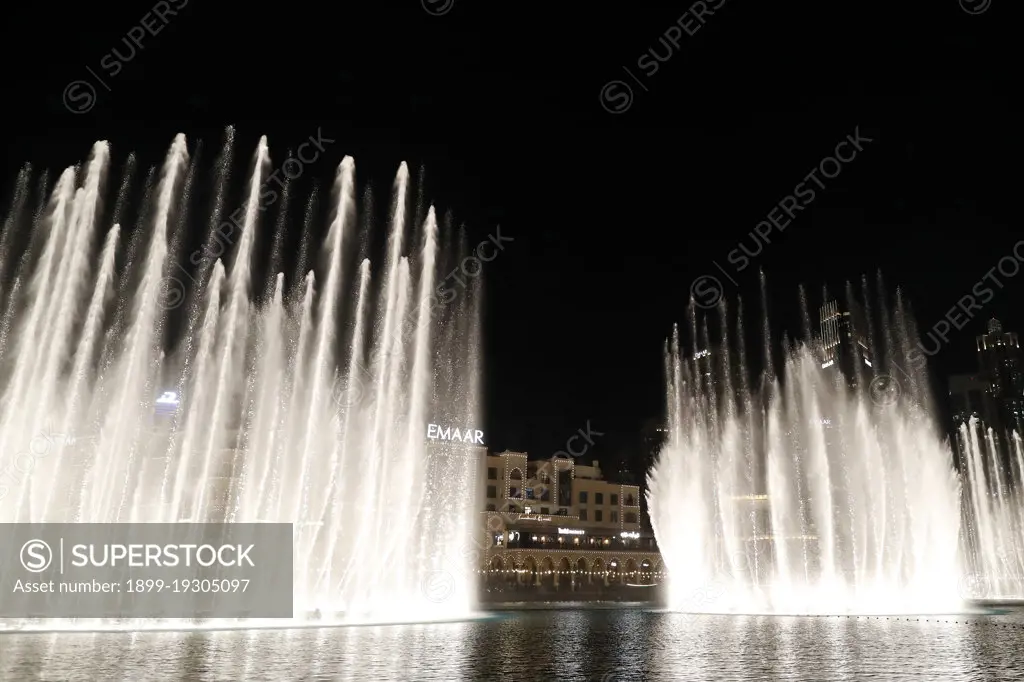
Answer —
614 216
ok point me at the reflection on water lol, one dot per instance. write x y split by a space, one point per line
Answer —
577 645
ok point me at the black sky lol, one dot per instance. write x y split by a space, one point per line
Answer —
613 215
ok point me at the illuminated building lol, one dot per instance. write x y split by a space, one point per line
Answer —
994 395
652 439
844 346
999 364
560 524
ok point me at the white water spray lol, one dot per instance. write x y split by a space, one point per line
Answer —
309 407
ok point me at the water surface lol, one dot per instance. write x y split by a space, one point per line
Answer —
572 644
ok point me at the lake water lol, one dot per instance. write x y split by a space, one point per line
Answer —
582 644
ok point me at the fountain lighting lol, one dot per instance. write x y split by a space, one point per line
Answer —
823 487
213 370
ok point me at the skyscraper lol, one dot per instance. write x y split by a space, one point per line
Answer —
844 340
994 395
653 437
999 364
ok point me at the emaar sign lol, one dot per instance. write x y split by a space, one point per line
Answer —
450 435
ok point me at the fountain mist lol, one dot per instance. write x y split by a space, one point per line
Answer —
819 488
301 401
993 512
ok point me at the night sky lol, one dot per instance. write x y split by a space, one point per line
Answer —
613 215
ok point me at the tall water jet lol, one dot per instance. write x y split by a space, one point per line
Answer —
245 396
855 504
993 541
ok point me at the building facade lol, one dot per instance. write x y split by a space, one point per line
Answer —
999 364
653 437
994 396
844 345
559 524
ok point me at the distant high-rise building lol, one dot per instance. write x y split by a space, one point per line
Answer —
709 369
652 439
1000 364
994 395
653 436
844 340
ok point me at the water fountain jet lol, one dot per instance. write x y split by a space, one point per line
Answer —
304 403
811 491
